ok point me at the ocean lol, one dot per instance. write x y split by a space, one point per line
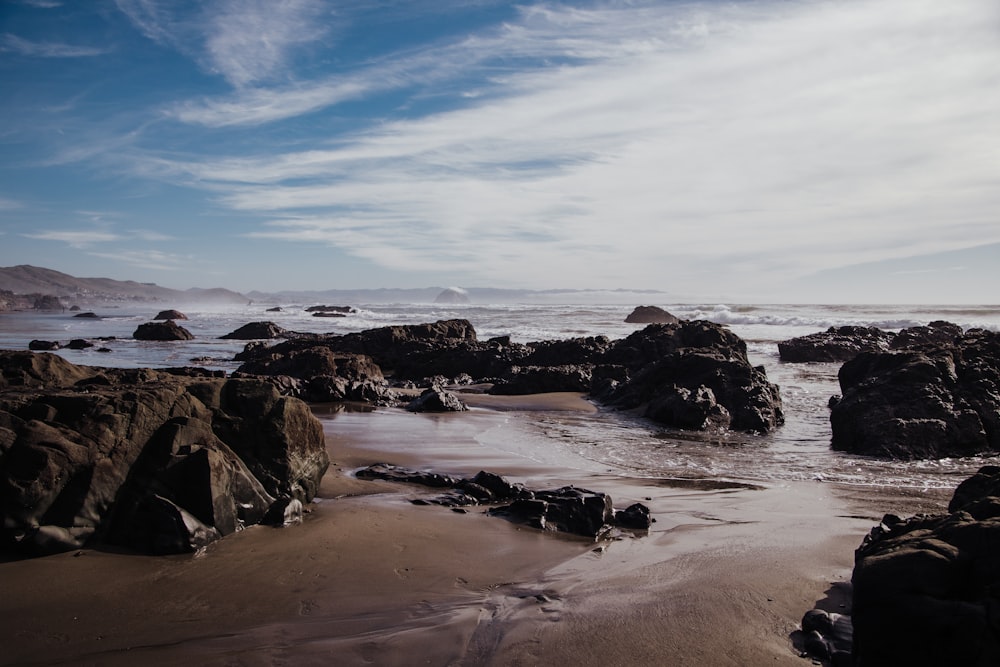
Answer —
605 442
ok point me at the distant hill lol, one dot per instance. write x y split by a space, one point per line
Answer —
476 295
25 279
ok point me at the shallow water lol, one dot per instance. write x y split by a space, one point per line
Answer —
604 442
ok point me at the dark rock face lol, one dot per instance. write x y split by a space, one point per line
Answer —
693 375
436 399
47 302
343 310
158 461
650 315
317 373
927 589
79 344
44 345
936 333
835 344
522 380
926 402
567 509
257 331
170 315
162 331
88 315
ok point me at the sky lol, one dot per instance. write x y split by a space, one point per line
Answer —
755 150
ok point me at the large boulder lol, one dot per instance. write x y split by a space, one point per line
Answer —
650 315
158 461
931 401
693 375
437 399
162 331
927 589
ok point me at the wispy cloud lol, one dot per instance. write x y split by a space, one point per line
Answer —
777 137
148 259
74 237
9 204
13 44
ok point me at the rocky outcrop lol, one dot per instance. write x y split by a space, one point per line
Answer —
927 589
650 315
693 375
931 401
846 342
257 331
158 461
170 315
44 345
689 375
566 509
342 310
835 344
162 331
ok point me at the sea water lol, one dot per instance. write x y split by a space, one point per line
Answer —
608 442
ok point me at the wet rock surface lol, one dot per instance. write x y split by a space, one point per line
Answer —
567 509
162 331
932 400
157 461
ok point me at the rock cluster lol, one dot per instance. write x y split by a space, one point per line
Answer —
567 509
690 374
157 461
846 342
928 400
927 589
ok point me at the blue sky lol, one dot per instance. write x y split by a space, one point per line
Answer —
735 150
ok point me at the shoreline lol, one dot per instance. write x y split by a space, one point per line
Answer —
722 578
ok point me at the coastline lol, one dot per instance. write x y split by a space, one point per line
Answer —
722 578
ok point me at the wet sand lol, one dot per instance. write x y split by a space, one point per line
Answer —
722 578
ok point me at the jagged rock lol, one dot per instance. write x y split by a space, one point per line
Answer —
927 589
937 333
835 344
693 374
257 331
394 473
567 509
542 379
158 461
162 331
650 315
926 402
436 399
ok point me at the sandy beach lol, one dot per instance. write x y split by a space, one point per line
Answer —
722 578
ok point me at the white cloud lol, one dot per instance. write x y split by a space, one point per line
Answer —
147 259
762 139
75 238
9 204
25 47
250 41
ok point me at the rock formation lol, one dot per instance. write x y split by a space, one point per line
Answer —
162 331
170 315
453 295
835 344
650 315
691 375
929 401
567 509
927 589
157 461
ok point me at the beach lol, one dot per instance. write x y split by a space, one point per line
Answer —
722 577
